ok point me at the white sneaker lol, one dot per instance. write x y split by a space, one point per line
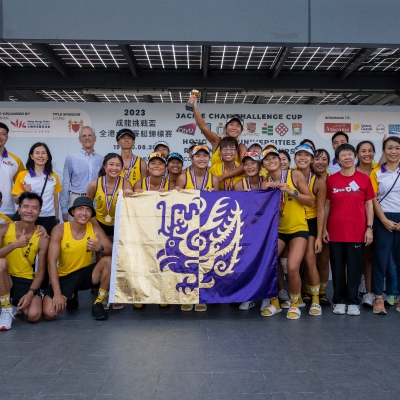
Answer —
247 305
352 309
368 299
6 317
339 309
283 295
265 303
16 311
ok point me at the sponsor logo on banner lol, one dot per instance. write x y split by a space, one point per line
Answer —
251 128
333 128
188 129
74 125
363 128
380 129
267 129
394 129
18 124
220 131
356 127
297 129
281 129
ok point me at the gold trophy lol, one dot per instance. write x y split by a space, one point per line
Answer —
190 106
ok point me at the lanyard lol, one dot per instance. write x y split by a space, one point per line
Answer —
109 203
228 186
258 185
129 169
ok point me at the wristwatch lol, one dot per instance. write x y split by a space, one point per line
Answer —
34 291
101 249
295 193
370 226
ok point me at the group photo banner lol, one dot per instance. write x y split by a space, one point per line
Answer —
58 124
195 246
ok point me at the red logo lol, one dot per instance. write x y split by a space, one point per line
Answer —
75 125
188 129
281 129
335 127
18 124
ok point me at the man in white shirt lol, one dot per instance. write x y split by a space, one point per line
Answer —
79 170
337 139
10 166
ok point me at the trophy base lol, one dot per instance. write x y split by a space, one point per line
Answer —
189 107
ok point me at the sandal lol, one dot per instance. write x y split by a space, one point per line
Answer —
286 304
186 307
270 310
118 306
138 306
379 307
200 307
306 298
315 309
323 300
293 310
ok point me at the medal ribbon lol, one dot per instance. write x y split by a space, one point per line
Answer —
194 181
228 186
109 203
258 185
128 174
148 184
310 175
283 179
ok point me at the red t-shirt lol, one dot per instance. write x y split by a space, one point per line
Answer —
347 219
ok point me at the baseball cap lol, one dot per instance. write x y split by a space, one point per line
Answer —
270 151
255 144
201 147
161 143
251 154
82 201
271 145
305 147
157 155
177 156
123 132
234 116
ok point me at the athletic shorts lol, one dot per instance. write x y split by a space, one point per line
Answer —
287 237
109 230
20 287
77 280
312 227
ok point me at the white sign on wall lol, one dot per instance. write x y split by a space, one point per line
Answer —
58 125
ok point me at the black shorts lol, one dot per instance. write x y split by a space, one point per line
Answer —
20 287
312 227
287 237
77 280
109 230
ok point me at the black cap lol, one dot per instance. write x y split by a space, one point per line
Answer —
123 132
82 201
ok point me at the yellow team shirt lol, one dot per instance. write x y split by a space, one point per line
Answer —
135 173
74 254
20 260
101 206
246 185
294 214
191 185
312 212
165 185
4 219
227 184
216 157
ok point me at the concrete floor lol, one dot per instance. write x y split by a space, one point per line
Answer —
221 354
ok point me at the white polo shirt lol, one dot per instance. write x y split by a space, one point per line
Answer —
37 182
382 180
10 166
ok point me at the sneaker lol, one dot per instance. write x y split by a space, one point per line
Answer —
391 299
368 300
339 309
99 312
16 311
247 305
353 309
379 307
73 304
265 303
283 295
6 317
361 287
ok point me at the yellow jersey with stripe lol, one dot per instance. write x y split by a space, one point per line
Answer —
227 184
191 185
20 260
4 219
216 156
101 206
312 212
74 254
294 214
165 186
135 174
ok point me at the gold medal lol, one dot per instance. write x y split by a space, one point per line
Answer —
108 218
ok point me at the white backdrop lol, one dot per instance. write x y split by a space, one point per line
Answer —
57 124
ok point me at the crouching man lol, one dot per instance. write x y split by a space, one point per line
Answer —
20 244
73 245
